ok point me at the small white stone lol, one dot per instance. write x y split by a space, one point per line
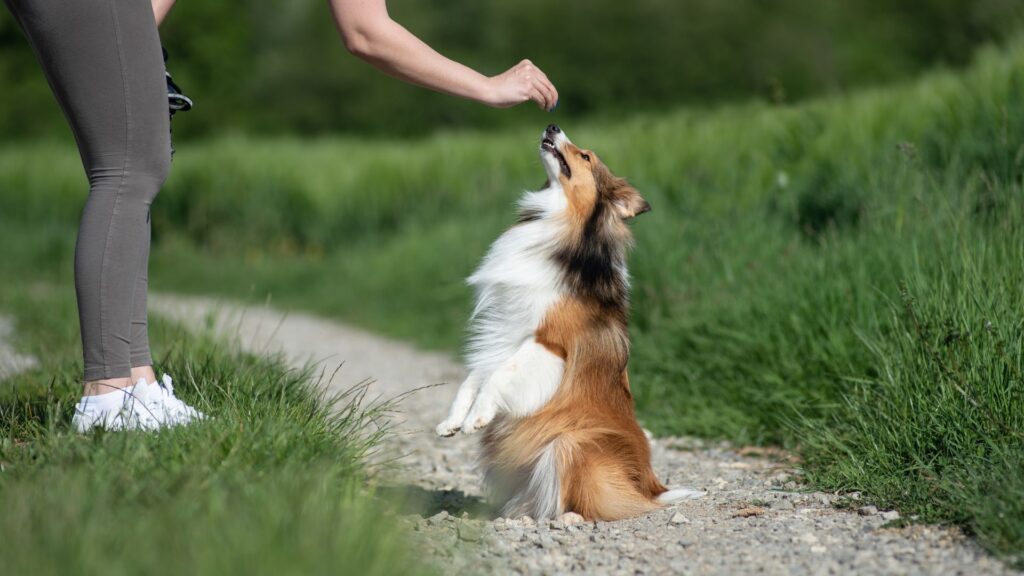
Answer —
784 504
571 518
438 518
890 515
806 538
867 510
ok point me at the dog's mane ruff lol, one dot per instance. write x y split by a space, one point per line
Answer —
593 258
544 203
517 281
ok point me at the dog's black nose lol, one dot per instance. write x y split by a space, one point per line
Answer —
554 129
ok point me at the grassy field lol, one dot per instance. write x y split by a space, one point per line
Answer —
842 277
273 483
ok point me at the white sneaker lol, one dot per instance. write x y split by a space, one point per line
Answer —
117 410
144 406
174 409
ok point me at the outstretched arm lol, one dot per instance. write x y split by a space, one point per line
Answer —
370 33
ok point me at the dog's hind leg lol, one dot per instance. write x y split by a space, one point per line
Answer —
597 486
536 493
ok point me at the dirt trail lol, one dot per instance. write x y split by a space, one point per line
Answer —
11 362
755 517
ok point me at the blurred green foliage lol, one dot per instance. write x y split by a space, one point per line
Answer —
279 67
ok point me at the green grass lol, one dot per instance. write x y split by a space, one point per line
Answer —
841 277
272 483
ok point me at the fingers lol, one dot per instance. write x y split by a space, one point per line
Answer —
549 88
547 92
537 96
542 91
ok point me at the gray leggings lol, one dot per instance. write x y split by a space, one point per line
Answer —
102 59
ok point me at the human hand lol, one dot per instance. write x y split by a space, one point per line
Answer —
520 83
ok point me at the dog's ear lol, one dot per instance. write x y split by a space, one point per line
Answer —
629 203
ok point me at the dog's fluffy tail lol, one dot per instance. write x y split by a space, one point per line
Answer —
677 495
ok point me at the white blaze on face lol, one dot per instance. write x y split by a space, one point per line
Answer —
549 159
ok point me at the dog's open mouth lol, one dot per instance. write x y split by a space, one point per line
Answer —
548 145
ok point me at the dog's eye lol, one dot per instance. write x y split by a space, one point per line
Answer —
586 157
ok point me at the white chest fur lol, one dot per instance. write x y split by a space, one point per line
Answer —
516 285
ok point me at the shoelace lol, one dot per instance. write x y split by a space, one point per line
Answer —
150 406
142 409
172 402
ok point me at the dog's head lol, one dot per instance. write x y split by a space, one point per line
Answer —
592 209
589 186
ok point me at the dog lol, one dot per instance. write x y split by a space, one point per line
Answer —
548 351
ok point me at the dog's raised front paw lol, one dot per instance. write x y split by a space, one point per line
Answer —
447 429
478 419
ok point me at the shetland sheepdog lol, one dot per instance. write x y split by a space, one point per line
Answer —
548 351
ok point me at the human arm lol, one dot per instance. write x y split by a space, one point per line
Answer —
370 34
161 8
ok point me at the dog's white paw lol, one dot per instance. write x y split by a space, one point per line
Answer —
447 428
479 417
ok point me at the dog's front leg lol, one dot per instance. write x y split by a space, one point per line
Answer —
520 386
460 406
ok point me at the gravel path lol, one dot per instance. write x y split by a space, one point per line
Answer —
11 362
756 518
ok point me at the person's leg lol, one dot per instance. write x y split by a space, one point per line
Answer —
141 358
103 61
